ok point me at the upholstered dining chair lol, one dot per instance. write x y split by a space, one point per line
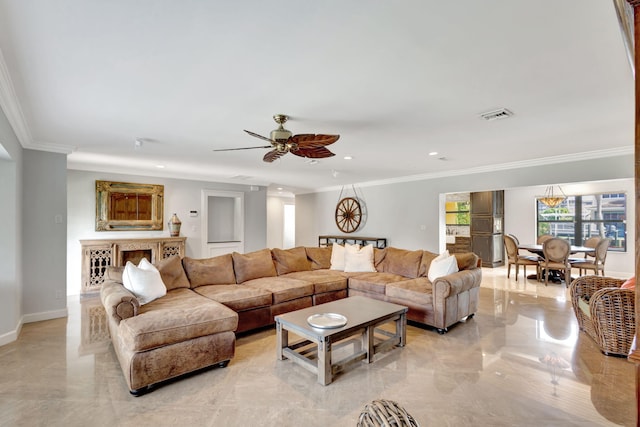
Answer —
596 264
514 238
591 242
514 258
544 238
556 257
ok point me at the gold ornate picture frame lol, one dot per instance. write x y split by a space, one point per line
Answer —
125 206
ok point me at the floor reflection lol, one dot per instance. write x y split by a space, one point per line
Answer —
520 361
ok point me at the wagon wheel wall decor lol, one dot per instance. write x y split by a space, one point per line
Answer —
348 215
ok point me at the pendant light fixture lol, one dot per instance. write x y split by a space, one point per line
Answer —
551 198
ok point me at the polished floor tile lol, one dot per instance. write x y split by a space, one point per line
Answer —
521 361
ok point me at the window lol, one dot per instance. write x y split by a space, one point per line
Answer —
579 217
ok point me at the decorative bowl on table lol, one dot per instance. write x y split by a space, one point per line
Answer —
327 320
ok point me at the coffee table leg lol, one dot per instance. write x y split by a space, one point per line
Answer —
324 361
401 329
282 340
368 341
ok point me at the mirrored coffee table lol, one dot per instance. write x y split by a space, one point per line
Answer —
363 317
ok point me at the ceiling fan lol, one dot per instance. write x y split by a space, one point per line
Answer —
282 141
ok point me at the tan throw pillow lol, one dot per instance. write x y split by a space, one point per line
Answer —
290 260
402 262
467 260
172 273
427 258
253 265
320 257
209 271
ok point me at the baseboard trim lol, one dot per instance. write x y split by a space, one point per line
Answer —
11 336
45 315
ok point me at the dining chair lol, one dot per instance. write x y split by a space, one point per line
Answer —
514 238
598 263
514 258
544 238
556 257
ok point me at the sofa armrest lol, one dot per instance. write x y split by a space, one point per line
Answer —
118 301
453 284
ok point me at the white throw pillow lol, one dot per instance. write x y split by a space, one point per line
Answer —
338 255
144 281
442 265
359 260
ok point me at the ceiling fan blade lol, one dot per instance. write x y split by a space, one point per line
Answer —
243 148
313 153
258 136
273 155
309 140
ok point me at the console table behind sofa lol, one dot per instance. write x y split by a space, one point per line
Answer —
377 242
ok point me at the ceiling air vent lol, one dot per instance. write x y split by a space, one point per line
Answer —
502 113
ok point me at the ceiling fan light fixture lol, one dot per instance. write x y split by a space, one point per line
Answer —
552 199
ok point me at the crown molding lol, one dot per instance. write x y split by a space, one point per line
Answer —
12 109
543 161
11 106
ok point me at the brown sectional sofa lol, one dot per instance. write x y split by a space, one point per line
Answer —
209 300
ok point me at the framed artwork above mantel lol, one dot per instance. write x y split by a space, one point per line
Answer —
125 206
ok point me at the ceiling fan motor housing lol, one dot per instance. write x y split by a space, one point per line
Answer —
281 134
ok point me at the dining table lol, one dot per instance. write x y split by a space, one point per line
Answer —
554 275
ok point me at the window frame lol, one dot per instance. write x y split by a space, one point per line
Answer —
574 205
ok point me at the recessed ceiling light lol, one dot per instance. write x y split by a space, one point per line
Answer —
433 153
312 161
160 166
279 188
348 157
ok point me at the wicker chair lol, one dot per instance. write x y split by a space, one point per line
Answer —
605 312
385 413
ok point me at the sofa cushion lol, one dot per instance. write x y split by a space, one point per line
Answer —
402 262
583 305
172 273
359 259
290 260
236 297
169 325
322 280
282 288
320 257
419 291
253 265
425 263
144 281
373 282
209 271
466 260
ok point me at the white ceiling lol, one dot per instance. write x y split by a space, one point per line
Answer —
396 80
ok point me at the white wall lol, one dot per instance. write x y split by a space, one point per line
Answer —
44 235
409 214
180 197
275 219
10 234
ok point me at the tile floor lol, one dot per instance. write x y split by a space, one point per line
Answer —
494 370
